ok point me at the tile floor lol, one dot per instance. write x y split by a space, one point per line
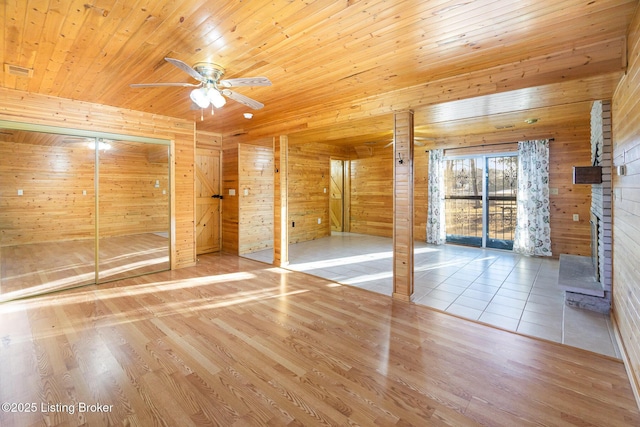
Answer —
491 286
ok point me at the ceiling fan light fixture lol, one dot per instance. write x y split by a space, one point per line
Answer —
199 96
216 98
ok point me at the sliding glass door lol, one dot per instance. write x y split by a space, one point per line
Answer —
501 189
480 200
464 205
79 209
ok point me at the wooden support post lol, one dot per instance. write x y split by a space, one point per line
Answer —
281 205
403 206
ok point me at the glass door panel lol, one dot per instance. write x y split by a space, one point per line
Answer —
480 201
464 201
47 204
502 186
133 208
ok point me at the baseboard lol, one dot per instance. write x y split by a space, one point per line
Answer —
635 384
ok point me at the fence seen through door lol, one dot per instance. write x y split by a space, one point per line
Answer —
480 200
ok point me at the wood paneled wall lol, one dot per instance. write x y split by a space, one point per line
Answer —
256 198
230 202
572 147
309 174
626 207
210 140
130 202
372 191
52 179
45 110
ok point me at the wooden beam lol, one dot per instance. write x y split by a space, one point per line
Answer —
403 206
281 205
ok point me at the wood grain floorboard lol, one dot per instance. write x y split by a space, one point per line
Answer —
234 342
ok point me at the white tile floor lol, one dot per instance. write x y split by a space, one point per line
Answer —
491 286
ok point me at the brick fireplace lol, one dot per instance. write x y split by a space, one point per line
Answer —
587 280
601 194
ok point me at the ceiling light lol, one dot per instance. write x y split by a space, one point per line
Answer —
248 115
216 98
199 96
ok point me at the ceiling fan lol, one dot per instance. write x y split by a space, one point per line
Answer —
212 90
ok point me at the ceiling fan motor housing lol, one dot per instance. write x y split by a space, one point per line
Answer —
212 72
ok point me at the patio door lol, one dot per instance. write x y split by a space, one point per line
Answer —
480 200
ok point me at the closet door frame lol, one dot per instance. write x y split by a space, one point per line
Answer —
101 136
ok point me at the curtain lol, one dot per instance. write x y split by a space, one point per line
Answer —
533 232
435 211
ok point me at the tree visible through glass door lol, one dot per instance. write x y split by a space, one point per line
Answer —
480 201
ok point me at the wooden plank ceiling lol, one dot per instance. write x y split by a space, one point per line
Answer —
339 68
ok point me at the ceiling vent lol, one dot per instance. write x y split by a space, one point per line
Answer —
17 71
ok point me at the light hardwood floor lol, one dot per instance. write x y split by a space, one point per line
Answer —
491 286
28 270
235 342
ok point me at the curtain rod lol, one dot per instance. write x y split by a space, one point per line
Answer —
488 145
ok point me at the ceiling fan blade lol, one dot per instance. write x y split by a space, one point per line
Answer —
187 69
245 81
165 84
252 103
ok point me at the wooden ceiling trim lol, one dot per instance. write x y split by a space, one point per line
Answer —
329 61
609 50
566 92
505 136
513 121
487 81
574 63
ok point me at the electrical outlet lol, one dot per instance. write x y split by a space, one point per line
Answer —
553 191
319 220
293 223
20 192
576 217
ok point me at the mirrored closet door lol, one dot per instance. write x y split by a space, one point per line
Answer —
78 210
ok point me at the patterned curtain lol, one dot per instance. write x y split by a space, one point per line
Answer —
533 232
435 212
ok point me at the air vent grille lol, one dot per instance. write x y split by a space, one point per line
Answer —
15 70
